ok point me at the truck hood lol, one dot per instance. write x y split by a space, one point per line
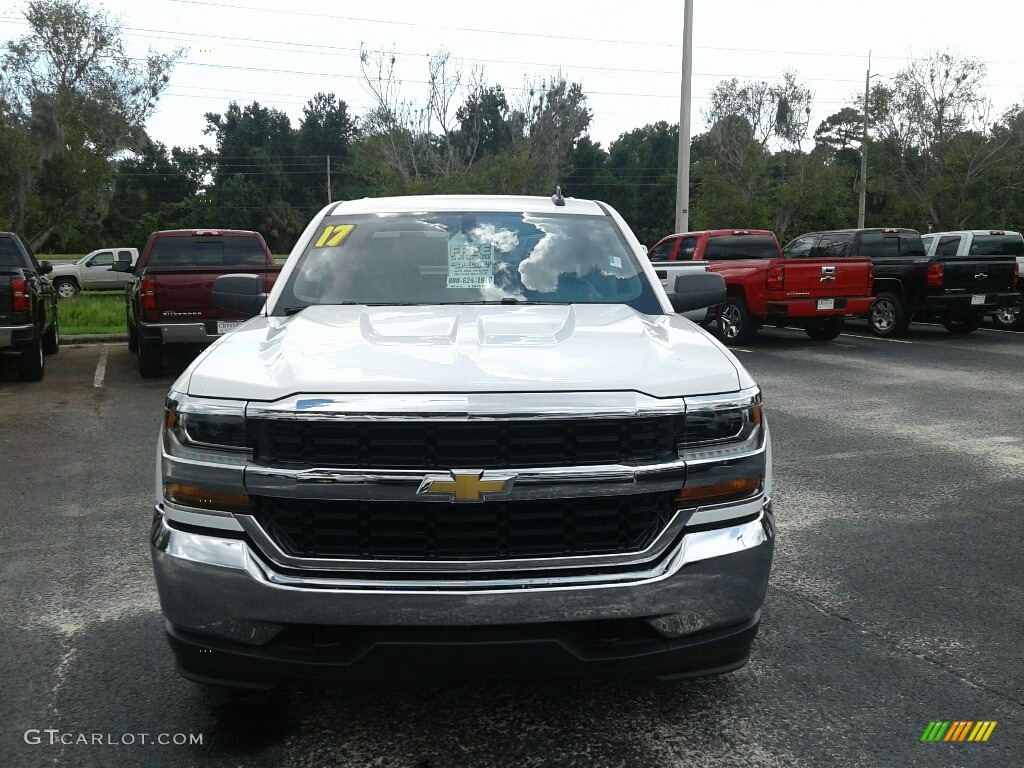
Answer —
64 268
460 348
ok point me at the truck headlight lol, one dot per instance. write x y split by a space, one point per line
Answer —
718 427
205 429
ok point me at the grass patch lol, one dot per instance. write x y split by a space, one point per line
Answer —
92 313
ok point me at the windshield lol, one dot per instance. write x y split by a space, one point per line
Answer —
467 258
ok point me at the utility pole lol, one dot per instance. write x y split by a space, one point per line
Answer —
683 167
328 178
864 152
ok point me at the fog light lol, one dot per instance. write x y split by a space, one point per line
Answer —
678 624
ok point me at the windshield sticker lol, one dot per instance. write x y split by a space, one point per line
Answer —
333 235
616 262
470 265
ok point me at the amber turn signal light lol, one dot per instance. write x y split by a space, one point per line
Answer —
733 489
207 498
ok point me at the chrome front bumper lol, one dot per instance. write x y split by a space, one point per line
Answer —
218 586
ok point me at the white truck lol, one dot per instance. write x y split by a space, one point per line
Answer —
982 242
463 435
92 272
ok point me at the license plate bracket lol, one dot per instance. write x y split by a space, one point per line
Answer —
223 326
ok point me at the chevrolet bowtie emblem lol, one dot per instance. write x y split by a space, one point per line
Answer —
467 485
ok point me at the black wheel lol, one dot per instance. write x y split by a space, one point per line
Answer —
65 287
51 339
151 358
1008 318
735 323
30 362
133 336
961 325
825 329
888 317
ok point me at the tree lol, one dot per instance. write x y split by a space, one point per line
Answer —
779 111
933 123
840 131
325 131
641 168
255 170
485 124
556 117
147 185
79 102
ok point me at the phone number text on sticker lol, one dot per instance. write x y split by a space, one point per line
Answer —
474 281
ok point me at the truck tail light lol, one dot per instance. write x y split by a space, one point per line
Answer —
1016 274
935 274
871 277
21 300
147 293
775 279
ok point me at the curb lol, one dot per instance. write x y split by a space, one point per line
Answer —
93 338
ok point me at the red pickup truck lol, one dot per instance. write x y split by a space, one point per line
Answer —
168 299
816 294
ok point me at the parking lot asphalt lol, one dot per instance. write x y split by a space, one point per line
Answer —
895 598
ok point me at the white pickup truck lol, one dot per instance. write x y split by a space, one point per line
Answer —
982 242
463 435
92 272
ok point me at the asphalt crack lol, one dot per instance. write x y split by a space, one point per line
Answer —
887 638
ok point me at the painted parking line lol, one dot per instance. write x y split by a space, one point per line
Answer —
739 349
101 369
875 338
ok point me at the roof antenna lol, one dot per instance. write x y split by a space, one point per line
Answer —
557 198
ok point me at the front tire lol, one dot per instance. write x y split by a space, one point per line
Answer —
1008 318
961 325
735 323
66 288
825 329
31 364
888 317
151 357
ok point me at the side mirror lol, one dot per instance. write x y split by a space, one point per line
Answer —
697 291
45 267
239 293
123 264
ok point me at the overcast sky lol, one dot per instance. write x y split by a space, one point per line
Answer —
626 55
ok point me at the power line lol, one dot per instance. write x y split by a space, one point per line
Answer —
162 35
646 43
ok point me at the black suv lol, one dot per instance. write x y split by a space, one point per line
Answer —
957 291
